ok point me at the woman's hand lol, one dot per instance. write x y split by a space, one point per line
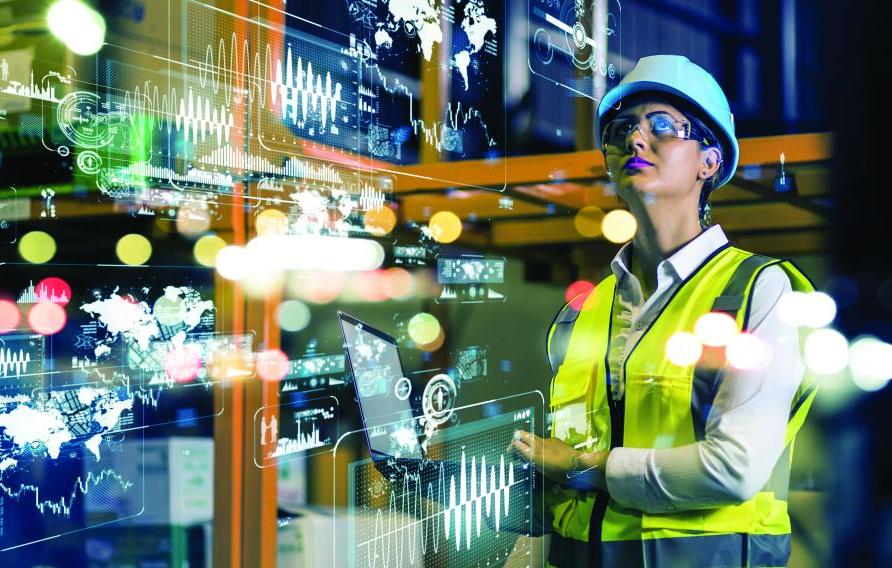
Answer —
556 459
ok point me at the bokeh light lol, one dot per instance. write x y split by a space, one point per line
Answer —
207 248
78 26
380 221
424 328
9 316
745 351
619 226
134 249
232 262
47 318
37 247
870 363
272 365
367 286
821 309
55 289
715 328
398 283
433 345
826 351
271 222
169 310
317 287
588 221
683 348
182 363
445 226
577 293
293 315
810 309
193 220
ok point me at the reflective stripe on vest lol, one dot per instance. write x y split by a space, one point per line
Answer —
665 405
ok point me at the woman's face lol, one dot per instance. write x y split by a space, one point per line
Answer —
670 168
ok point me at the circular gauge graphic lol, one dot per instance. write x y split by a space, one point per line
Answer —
438 400
403 388
544 48
89 162
580 46
82 120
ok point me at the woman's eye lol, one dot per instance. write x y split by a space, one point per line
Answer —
661 124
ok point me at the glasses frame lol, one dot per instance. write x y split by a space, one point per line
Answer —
684 130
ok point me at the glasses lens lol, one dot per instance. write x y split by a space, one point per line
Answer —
661 125
616 131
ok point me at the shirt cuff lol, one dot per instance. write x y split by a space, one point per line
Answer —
626 476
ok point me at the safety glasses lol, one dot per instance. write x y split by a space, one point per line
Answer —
659 124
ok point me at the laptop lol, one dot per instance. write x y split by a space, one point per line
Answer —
385 406
382 391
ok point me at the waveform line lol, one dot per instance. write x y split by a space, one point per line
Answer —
15 362
62 506
199 116
270 82
488 493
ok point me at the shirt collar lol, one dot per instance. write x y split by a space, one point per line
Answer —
685 260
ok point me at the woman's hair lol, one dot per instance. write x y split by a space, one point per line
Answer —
699 125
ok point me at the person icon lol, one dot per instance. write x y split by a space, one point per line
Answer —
263 429
274 429
4 70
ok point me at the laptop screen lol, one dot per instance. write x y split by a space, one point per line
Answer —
381 389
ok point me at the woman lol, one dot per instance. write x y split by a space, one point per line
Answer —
659 461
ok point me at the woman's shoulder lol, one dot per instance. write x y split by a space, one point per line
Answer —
771 284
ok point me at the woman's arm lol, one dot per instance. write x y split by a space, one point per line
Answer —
744 431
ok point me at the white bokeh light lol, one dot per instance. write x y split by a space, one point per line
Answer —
870 363
715 328
233 262
293 315
792 308
826 351
820 309
684 348
812 309
77 25
746 352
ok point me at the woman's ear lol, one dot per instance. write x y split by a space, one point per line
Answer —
712 160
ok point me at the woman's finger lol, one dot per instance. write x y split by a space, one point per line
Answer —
524 449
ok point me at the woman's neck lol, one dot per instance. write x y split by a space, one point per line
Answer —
668 231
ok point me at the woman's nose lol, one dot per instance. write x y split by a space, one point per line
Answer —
635 140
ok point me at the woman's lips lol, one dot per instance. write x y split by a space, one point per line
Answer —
636 163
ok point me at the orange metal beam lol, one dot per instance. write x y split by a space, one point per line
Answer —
547 168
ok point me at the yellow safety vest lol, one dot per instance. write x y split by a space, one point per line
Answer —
664 406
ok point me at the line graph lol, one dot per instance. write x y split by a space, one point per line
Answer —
62 505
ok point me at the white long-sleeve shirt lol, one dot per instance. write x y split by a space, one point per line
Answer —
746 425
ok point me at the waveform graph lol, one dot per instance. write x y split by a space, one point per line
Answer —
294 430
22 358
468 503
295 82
